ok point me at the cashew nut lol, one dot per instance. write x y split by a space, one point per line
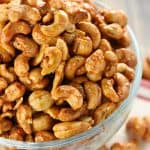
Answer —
26 45
4 13
61 44
103 111
127 56
95 65
105 45
48 17
113 30
51 60
70 94
14 91
24 12
81 71
24 118
43 136
126 70
3 84
68 129
72 65
40 38
80 79
21 65
93 92
83 46
93 31
40 100
36 3
60 24
42 123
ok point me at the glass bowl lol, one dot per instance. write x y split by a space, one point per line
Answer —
101 133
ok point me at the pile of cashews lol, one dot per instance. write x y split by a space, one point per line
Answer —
65 66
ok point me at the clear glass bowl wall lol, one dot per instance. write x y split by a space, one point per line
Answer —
98 135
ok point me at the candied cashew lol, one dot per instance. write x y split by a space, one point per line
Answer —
47 17
42 122
88 119
127 56
80 79
70 94
105 45
21 65
61 44
24 12
72 65
40 100
26 45
5 125
40 38
24 118
82 46
11 29
92 30
43 136
103 111
5 73
51 60
68 129
115 16
95 65
113 30
4 13
93 93
14 91
126 70
60 24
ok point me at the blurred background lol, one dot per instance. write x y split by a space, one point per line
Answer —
139 19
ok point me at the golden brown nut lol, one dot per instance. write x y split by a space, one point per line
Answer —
5 125
93 93
14 91
7 106
24 118
42 122
68 129
60 24
11 29
95 65
70 94
4 12
113 31
146 68
81 71
3 84
36 3
82 46
103 111
40 100
72 65
105 45
48 17
43 136
93 31
26 45
51 60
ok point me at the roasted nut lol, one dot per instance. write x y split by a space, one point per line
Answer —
81 71
24 118
40 38
93 92
43 136
5 125
17 133
105 45
146 68
80 79
36 3
113 31
4 12
103 111
69 94
7 106
95 65
68 129
5 73
48 17
60 24
14 91
11 29
26 45
127 56
40 100
82 46
93 31
3 84
42 123
24 12
51 60
115 16
72 65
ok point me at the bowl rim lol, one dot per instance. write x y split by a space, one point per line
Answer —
98 128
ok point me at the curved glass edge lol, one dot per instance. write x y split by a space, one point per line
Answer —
97 128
